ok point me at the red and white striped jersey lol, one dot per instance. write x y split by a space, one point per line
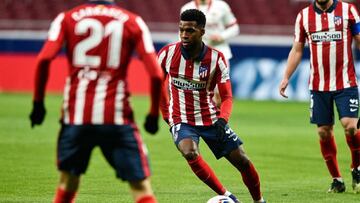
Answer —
191 84
99 40
329 35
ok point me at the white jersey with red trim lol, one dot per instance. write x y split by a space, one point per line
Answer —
329 36
99 40
219 17
191 84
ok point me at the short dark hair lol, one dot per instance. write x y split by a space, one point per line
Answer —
194 15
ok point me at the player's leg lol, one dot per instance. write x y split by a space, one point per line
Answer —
353 140
347 102
141 191
73 153
123 148
322 114
186 139
241 162
67 187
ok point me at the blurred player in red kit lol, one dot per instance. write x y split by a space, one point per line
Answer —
99 38
329 26
193 70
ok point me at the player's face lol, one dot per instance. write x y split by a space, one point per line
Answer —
190 34
322 2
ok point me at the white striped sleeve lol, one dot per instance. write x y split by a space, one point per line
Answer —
56 27
146 36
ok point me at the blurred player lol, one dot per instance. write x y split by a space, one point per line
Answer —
100 38
193 69
221 25
329 27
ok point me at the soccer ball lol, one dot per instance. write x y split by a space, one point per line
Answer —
220 199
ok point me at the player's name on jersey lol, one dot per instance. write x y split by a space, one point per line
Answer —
99 11
188 84
326 36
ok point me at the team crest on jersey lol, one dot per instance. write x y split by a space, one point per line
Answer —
337 20
203 71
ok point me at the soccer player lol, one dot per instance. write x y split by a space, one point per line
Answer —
329 27
192 71
99 38
221 25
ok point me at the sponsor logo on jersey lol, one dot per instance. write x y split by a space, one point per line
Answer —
188 84
337 20
326 36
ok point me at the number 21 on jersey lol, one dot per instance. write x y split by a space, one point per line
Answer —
98 31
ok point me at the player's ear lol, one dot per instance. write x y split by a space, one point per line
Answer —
202 31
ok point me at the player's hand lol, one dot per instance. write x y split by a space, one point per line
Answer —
282 87
220 125
216 39
151 124
37 114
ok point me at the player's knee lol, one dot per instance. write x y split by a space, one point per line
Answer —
325 132
68 181
350 130
190 154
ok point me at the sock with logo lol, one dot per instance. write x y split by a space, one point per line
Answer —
251 180
206 174
328 150
354 145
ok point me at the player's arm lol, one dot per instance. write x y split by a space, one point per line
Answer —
295 54
293 61
146 51
232 28
164 100
224 86
49 51
225 92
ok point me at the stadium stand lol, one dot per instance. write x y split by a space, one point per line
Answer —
255 16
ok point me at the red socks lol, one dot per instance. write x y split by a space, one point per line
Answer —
63 196
147 199
328 150
252 181
354 145
206 174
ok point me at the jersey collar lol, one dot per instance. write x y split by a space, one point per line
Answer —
102 2
329 10
185 54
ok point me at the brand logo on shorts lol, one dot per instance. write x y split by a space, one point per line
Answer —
230 133
354 105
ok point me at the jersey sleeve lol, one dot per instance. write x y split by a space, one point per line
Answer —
354 20
300 35
49 51
223 70
144 43
162 59
229 18
145 49
224 87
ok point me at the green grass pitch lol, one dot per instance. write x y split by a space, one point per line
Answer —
277 135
